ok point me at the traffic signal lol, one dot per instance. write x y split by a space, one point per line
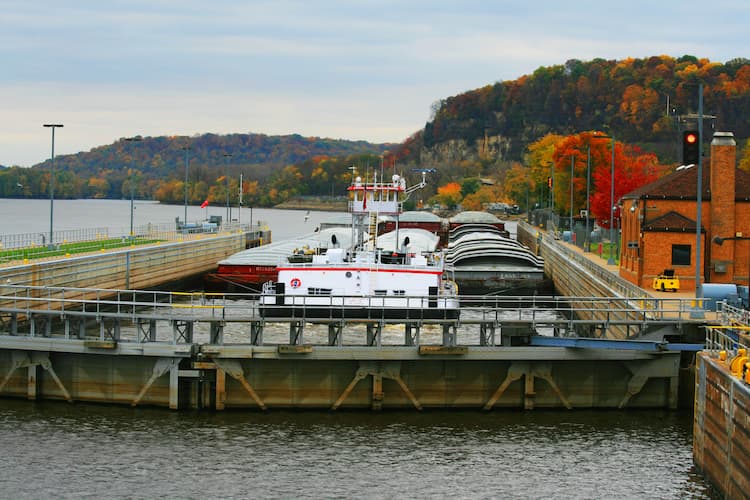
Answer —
690 147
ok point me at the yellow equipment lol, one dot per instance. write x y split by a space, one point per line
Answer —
667 281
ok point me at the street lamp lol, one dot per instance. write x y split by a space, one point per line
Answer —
137 138
572 166
611 259
53 126
720 241
186 149
226 172
587 236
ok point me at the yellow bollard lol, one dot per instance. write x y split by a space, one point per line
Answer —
736 365
747 373
67 255
722 355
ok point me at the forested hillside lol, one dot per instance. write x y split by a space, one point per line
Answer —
642 101
156 166
500 142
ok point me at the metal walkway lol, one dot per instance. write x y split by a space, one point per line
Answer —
127 316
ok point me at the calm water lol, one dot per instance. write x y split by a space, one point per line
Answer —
59 450
32 216
74 451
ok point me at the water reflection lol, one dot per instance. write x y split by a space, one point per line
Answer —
55 449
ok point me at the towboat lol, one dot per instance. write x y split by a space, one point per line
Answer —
370 279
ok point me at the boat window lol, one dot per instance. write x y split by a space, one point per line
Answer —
400 293
319 291
381 292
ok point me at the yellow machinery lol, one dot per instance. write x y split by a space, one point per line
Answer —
666 282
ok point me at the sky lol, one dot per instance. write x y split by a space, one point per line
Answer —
357 69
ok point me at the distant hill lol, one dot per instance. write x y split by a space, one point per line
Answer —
158 163
642 101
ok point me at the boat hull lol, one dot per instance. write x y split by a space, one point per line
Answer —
356 313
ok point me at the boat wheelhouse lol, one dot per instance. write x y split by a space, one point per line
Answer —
396 278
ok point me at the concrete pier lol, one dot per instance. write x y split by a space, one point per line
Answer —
721 431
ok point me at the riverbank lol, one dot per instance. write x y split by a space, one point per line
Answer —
324 203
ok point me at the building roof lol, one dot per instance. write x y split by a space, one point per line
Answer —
671 222
682 185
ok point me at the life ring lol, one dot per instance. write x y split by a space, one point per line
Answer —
295 283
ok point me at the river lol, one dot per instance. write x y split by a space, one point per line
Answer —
59 450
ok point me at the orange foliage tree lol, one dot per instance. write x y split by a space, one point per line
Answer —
449 194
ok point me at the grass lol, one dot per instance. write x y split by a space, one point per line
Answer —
607 247
40 252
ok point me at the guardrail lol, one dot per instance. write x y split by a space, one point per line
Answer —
22 248
732 335
22 306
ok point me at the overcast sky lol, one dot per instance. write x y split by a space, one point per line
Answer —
351 69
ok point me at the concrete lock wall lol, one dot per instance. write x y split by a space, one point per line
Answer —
721 432
325 378
133 268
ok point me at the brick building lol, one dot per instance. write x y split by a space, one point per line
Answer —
659 223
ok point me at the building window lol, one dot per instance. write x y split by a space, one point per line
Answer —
680 255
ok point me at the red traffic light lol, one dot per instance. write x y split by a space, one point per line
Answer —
690 147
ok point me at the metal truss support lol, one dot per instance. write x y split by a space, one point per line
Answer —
217 333
146 330
182 331
450 336
162 366
378 370
487 334
40 324
256 333
529 372
375 334
75 326
109 329
9 323
336 334
234 369
31 360
658 368
411 334
296 330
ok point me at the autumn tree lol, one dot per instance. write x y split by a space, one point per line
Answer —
449 194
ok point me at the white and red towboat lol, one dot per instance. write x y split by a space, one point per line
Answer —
366 279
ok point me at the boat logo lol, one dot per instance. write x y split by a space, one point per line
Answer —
295 283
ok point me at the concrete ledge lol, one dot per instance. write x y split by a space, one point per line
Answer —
294 349
100 344
426 350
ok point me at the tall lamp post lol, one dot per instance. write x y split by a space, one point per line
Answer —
186 149
572 172
226 174
53 126
611 259
587 236
137 138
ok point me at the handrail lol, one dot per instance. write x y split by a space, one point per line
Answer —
560 314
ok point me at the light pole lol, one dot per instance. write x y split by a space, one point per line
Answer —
186 149
572 167
586 236
226 174
137 138
53 126
611 259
